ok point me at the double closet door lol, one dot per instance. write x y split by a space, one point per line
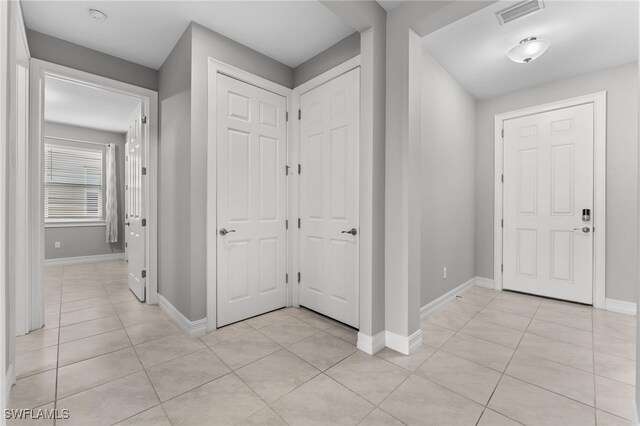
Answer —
252 202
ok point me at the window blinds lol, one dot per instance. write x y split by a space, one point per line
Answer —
72 183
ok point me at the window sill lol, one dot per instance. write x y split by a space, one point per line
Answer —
74 224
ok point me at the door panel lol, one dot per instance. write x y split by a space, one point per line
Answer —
251 204
548 180
134 229
329 150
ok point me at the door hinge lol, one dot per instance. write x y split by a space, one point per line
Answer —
144 171
286 278
298 223
299 114
286 116
299 169
501 223
144 273
502 267
298 277
286 224
144 119
502 178
144 222
286 170
126 245
502 133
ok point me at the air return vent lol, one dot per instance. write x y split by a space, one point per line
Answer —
519 10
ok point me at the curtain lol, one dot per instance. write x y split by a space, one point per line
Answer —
111 205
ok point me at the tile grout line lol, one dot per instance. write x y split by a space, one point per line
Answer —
55 402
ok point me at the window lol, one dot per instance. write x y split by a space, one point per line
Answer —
73 183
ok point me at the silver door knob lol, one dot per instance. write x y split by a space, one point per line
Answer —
584 229
224 232
352 231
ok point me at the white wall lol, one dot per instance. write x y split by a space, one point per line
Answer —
621 84
448 181
87 240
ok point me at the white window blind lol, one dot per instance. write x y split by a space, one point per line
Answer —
72 183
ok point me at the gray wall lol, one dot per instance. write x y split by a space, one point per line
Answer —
71 55
87 240
621 84
183 158
340 52
174 158
448 176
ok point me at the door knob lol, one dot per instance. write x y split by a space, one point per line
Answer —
127 224
584 229
224 232
352 231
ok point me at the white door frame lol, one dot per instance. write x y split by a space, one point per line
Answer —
39 70
19 251
216 67
7 376
365 251
599 101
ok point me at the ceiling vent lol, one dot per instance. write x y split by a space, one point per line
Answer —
519 10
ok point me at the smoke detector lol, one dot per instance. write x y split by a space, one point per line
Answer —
97 15
519 10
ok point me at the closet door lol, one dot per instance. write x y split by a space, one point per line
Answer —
329 198
251 203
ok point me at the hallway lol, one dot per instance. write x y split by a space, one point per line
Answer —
488 358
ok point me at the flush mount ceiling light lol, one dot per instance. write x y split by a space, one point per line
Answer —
529 49
97 15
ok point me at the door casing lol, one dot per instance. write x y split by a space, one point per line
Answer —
39 71
599 101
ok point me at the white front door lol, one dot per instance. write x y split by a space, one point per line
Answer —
251 201
548 181
329 153
135 219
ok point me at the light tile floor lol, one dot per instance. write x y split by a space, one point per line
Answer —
489 358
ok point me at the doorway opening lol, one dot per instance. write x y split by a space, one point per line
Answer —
92 169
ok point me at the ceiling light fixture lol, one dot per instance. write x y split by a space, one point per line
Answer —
529 49
97 15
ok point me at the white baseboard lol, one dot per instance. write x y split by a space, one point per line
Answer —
634 414
371 344
485 282
85 259
447 297
620 306
404 344
10 381
192 328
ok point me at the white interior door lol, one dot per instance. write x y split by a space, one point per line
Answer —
548 181
251 200
135 219
329 154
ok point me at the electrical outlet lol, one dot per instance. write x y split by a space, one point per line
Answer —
57 244
444 272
